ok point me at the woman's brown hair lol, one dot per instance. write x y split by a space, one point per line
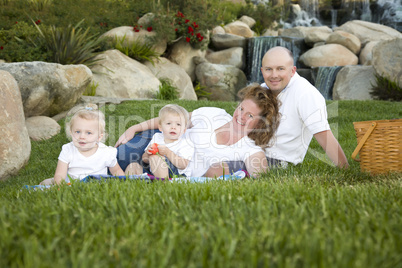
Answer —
265 130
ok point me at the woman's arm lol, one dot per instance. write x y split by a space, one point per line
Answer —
130 132
61 172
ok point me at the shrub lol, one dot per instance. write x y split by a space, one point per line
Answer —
137 50
386 89
16 44
189 30
200 92
91 89
70 45
167 91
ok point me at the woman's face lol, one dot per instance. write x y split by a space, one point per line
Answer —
246 116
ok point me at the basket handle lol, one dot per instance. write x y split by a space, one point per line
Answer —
363 141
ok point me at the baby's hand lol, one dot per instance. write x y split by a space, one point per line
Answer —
153 149
163 150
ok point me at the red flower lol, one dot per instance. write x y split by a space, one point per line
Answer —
154 148
195 25
200 38
37 22
176 30
1 48
186 20
188 39
16 22
149 29
179 14
136 30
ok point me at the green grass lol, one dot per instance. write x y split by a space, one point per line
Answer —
311 215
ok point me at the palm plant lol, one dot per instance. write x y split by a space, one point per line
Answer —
71 45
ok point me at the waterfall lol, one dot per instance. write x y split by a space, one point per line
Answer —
257 47
325 79
360 9
334 15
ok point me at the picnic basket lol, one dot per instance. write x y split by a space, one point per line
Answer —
379 145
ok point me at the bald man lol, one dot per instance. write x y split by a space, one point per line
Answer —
303 110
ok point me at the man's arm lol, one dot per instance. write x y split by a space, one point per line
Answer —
332 148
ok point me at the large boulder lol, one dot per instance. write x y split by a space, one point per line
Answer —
183 54
231 56
42 127
120 76
248 20
387 59
368 31
179 78
129 36
345 39
223 41
354 83
329 55
366 54
222 81
15 146
239 28
316 34
48 88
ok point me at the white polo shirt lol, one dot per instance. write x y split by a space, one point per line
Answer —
303 114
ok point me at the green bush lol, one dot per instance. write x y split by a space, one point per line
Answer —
70 45
263 14
386 89
137 50
16 44
167 91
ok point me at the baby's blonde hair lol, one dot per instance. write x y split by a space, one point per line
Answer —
88 112
175 110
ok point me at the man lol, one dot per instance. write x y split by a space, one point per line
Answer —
303 110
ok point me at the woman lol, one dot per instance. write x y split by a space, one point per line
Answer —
218 137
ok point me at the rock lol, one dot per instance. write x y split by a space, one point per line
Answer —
270 32
329 55
15 146
48 88
42 127
218 30
366 54
248 20
368 31
297 32
119 76
354 83
180 79
222 81
345 39
387 59
146 19
224 41
316 34
183 54
129 36
238 28
232 56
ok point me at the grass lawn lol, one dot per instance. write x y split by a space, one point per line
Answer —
310 215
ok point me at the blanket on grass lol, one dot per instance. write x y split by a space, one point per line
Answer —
238 175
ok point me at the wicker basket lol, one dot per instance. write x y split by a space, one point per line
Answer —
379 145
